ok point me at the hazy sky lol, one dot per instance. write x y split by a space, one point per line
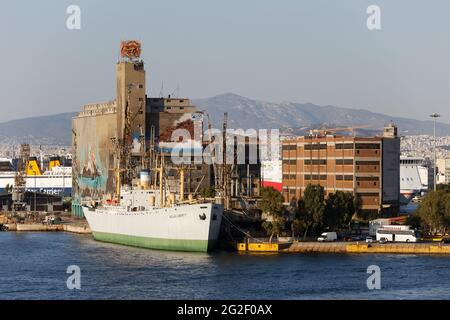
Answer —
302 51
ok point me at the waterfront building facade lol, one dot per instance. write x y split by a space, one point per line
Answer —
368 167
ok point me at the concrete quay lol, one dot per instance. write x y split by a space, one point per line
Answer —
362 247
80 229
39 227
319 247
36 227
347 248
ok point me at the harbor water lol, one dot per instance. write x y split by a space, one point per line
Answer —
34 265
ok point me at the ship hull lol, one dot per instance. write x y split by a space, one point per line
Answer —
156 243
181 228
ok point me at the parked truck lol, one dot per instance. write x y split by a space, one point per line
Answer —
327 237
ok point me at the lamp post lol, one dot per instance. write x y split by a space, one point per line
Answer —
35 190
434 116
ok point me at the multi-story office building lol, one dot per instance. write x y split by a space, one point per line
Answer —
366 166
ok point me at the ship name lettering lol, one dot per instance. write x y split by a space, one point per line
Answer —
178 215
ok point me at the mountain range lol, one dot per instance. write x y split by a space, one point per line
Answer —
243 113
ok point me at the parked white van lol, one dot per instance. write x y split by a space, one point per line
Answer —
327 237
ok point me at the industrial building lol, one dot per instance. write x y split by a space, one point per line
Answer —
139 123
368 167
33 201
132 119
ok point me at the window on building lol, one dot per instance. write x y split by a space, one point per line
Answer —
289 147
315 161
345 177
367 179
367 146
367 163
315 177
368 194
290 162
344 146
315 146
344 161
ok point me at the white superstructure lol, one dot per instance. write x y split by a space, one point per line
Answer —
57 181
416 176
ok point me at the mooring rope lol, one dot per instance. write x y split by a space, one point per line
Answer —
239 229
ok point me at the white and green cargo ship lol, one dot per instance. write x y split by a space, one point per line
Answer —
140 220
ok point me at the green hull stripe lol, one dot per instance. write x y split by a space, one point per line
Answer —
156 243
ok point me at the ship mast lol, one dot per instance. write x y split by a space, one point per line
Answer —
161 182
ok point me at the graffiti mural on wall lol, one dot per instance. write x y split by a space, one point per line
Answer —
90 167
93 176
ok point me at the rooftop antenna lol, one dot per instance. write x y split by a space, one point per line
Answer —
177 91
118 53
161 91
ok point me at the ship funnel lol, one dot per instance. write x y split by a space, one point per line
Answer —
54 162
33 167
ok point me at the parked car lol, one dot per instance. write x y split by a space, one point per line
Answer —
327 237
52 219
383 240
369 239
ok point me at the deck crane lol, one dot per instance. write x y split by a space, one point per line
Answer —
213 152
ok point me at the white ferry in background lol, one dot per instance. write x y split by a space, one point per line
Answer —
416 176
56 180
271 174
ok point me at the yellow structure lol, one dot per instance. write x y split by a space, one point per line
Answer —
399 248
342 247
54 162
258 247
33 168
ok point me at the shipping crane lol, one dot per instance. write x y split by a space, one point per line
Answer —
213 152
18 193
